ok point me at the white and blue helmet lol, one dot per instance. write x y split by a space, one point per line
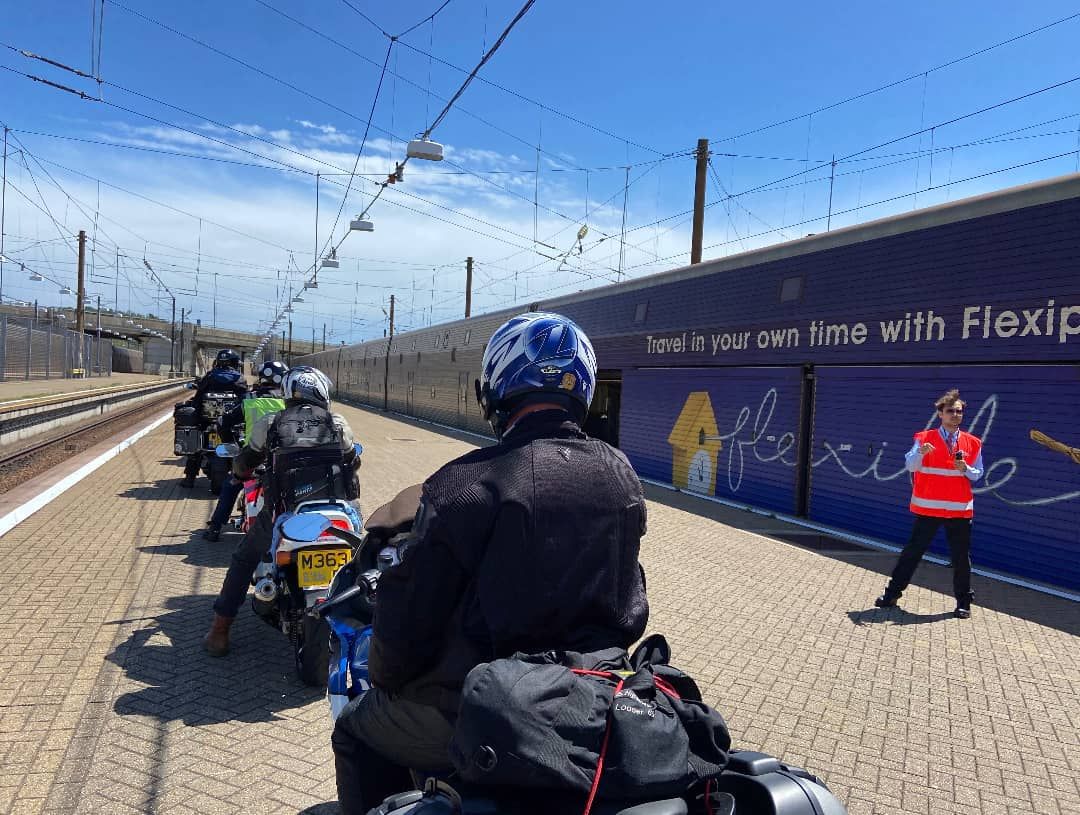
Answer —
536 353
306 384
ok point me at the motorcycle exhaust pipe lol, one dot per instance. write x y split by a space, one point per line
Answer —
265 595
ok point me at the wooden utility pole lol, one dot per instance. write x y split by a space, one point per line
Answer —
289 353
80 304
323 337
386 371
468 287
832 180
699 200
180 364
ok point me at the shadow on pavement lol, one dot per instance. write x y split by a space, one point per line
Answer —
195 549
895 616
329 808
253 683
167 489
1037 607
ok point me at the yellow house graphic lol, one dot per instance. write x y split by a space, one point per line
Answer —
695 446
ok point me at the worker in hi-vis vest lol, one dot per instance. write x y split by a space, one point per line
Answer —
263 400
944 463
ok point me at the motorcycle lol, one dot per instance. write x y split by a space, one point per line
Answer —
214 407
752 783
350 601
250 501
296 573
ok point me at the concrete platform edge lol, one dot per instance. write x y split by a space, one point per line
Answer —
17 516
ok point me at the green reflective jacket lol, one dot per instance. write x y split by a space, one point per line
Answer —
256 407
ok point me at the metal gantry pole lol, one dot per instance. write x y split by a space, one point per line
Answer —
80 302
3 208
172 341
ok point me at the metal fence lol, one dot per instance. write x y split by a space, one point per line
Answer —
32 349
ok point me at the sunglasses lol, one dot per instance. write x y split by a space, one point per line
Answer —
956 411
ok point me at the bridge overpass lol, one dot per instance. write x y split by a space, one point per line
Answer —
195 344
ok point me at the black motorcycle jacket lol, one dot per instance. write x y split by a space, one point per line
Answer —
528 545
223 380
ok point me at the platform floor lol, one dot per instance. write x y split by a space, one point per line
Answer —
109 705
13 389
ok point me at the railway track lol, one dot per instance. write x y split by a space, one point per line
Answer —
30 460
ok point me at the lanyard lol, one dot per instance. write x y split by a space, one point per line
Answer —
952 441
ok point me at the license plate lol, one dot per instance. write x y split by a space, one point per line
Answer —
317 567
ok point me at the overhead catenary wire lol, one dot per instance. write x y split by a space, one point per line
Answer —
919 152
895 83
257 137
543 106
878 146
268 75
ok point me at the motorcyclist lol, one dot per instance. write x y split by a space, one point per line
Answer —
305 423
224 377
527 545
237 424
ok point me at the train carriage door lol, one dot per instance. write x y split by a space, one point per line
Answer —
409 393
463 394
603 419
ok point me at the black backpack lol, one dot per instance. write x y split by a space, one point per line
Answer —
308 460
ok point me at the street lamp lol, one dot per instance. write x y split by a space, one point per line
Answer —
330 261
424 149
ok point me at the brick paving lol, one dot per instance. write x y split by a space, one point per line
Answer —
108 704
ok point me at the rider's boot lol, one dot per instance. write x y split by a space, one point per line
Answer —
216 641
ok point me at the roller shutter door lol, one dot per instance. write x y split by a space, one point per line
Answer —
1026 506
729 432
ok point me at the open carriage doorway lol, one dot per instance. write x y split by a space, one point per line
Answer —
603 419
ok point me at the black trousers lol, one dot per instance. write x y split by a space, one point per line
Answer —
958 536
246 556
378 739
226 499
191 466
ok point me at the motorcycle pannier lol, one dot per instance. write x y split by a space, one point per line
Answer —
187 438
187 441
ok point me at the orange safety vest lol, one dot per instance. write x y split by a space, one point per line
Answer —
940 489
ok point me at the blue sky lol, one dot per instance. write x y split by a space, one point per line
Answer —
596 87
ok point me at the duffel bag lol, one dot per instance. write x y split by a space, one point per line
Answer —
585 723
185 415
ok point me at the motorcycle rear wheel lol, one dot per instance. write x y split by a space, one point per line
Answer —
313 651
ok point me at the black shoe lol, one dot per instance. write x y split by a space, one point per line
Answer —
886 600
187 483
962 613
212 533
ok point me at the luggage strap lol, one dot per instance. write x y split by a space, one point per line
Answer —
620 680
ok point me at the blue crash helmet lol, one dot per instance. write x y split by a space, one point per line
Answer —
536 353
